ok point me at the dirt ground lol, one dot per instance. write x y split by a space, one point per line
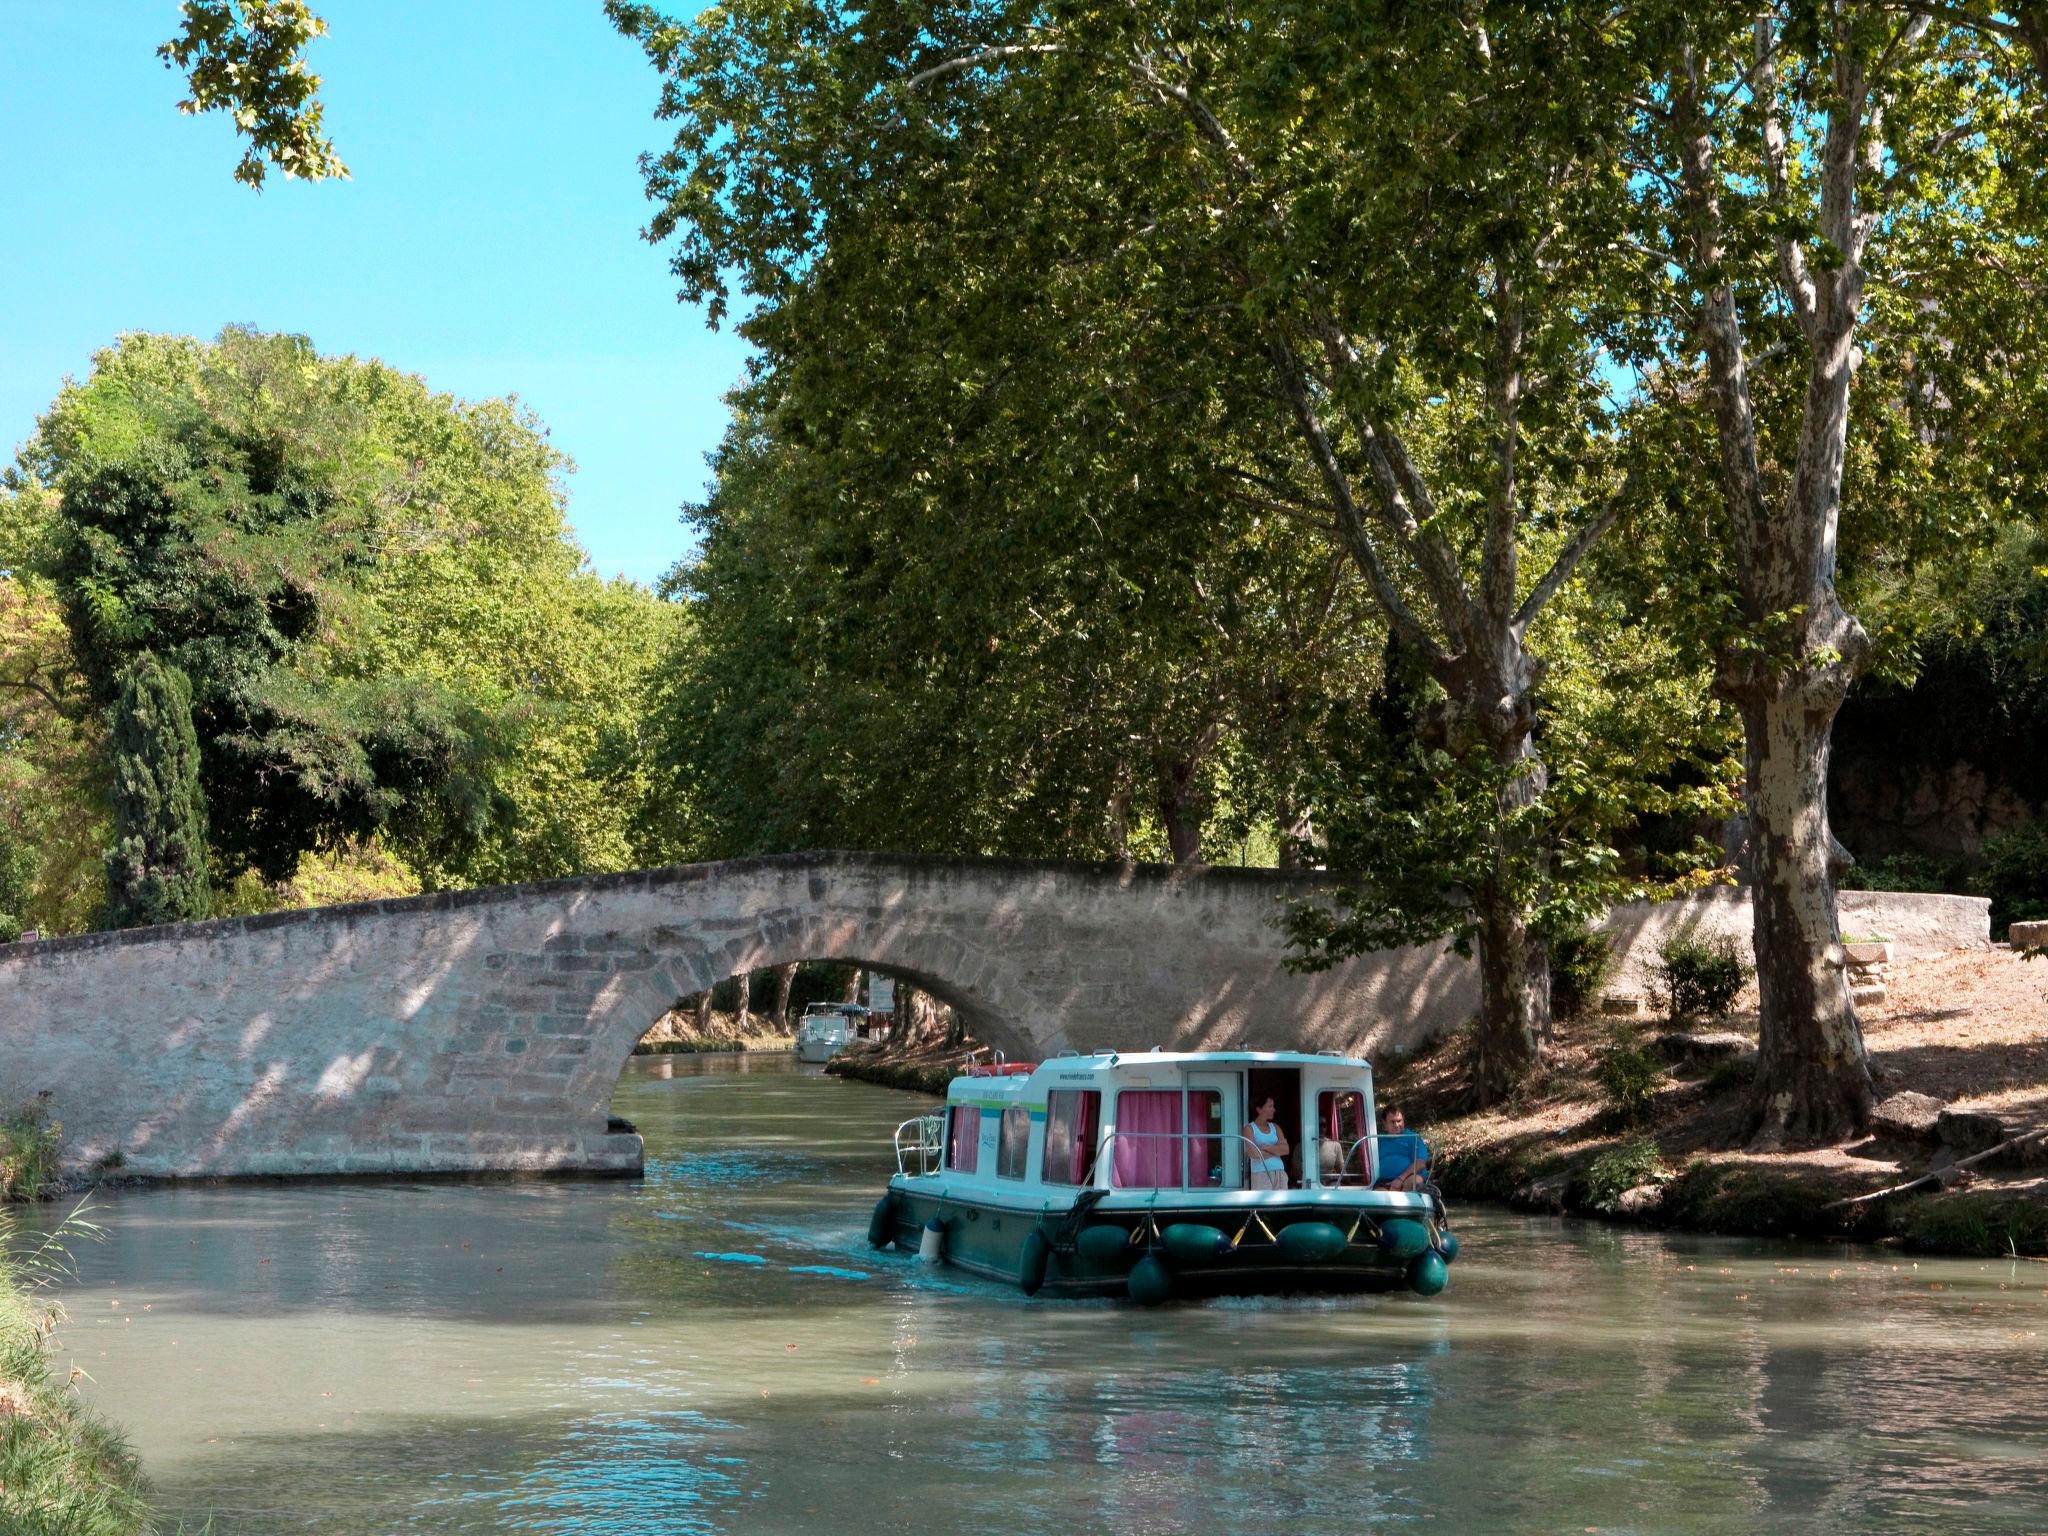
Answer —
1969 1029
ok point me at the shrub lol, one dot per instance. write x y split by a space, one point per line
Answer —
29 1143
1699 978
2015 875
1620 1169
1908 872
1581 960
1628 1078
1730 1073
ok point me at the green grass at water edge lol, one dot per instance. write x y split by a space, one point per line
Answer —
63 1469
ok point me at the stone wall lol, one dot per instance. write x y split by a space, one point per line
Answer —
483 1031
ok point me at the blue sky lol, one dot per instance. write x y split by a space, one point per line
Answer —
489 240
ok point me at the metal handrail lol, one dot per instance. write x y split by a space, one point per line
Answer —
1369 1165
930 1146
1109 1139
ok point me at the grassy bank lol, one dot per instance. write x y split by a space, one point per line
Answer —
1643 1123
62 1467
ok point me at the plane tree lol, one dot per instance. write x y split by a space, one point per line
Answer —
1376 240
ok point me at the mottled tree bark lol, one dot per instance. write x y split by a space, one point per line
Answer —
743 1005
703 1016
1800 651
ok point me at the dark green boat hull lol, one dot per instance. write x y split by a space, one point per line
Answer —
990 1242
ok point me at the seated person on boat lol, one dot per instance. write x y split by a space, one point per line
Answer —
1403 1155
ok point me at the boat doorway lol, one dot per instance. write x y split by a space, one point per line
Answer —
1283 1084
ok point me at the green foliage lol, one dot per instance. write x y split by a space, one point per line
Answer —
156 867
1908 872
392 641
1699 978
30 1142
1629 1078
62 1467
1730 1073
53 818
1994 1226
1619 1169
247 58
1581 961
2015 874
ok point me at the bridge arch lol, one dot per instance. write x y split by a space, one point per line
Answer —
485 1030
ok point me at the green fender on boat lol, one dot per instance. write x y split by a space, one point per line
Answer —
1194 1242
1447 1245
1031 1267
1427 1274
1150 1282
1404 1238
882 1225
1311 1242
1103 1243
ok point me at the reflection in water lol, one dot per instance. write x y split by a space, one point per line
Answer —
715 1349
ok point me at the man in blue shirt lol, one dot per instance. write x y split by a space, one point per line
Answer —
1403 1156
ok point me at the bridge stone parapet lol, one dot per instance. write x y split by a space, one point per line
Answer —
483 1031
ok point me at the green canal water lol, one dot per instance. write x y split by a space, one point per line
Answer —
715 1350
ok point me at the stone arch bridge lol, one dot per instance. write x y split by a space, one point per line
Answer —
484 1030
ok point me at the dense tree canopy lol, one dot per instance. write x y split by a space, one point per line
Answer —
1448 277
371 589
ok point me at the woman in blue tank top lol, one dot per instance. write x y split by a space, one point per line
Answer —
1266 1150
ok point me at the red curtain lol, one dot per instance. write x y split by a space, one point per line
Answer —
1148 1139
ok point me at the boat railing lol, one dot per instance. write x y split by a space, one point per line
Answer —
926 1146
1351 1167
1147 1142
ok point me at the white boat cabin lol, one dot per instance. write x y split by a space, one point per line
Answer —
1152 1121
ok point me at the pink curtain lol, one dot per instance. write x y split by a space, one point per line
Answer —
963 1141
1205 1134
1148 1139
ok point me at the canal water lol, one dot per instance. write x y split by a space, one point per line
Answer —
716 1350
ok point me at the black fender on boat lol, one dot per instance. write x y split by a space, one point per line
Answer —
1150 1281
1031 1266
882 1225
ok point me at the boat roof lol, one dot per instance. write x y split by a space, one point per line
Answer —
1005 1080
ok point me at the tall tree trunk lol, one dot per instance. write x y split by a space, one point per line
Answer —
1180 797
703 1019
1790 671
785 978
853 987
743 1005
1813 1079
1295 826
1514 1001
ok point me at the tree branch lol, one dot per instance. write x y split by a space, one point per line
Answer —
1574 551
974 60
1288 373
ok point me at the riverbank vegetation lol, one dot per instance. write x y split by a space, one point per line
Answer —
62 1467
1639 1121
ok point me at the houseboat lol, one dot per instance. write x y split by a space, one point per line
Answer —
826 1029
1135 1174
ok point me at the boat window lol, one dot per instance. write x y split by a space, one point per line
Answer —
1205 1136
1071 1116
963 1138
1341 1126
1013 1146
1148 1139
